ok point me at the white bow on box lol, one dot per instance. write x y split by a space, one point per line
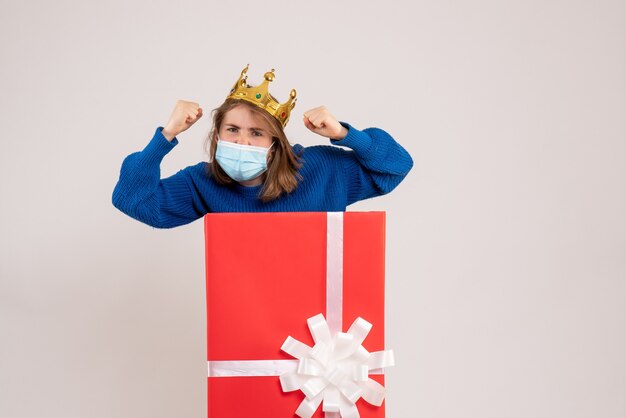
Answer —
335 370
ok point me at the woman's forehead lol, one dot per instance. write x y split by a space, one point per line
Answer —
243 117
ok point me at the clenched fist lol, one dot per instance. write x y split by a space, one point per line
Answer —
320 121
183 116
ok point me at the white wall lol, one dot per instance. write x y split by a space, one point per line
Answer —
506 243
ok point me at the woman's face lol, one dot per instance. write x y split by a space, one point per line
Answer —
242 126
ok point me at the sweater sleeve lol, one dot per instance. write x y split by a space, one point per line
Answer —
376 164
143 195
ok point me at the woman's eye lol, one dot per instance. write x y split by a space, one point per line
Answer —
231 129
257 133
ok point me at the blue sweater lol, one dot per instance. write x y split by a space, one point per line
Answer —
332 178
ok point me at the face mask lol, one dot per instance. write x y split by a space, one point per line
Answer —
241 162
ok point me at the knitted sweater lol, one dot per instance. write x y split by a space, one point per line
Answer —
332 178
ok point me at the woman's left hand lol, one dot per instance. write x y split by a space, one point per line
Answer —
320 121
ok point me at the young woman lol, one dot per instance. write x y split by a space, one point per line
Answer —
253 168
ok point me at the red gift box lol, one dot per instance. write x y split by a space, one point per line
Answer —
267 273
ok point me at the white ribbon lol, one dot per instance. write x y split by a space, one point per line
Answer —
334 271
239 368
334 372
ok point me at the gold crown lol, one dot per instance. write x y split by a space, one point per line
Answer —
261 97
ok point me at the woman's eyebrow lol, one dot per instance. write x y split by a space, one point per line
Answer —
250 129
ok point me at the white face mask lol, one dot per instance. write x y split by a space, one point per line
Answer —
241 162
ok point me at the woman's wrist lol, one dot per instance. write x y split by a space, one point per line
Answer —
168 134
342 134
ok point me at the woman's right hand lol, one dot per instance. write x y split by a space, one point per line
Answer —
183 116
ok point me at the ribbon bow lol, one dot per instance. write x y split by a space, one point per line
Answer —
335 370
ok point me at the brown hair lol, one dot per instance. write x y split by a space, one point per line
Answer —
282 167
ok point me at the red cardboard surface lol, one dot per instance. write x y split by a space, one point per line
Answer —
266 275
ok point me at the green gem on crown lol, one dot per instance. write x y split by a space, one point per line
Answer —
258 95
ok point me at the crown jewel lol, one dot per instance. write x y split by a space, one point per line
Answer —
261 97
